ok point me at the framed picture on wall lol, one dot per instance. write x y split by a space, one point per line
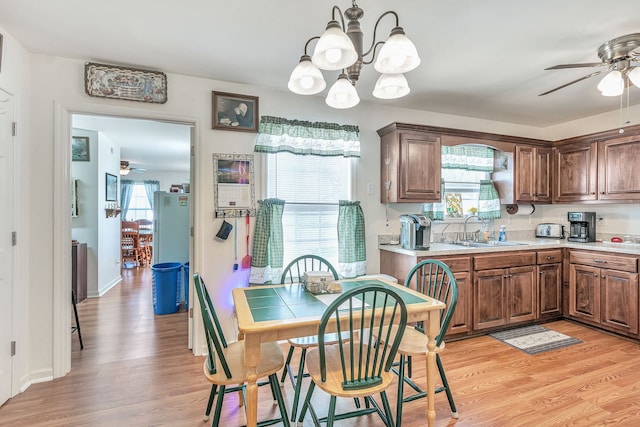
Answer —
235 112
111 188
80 148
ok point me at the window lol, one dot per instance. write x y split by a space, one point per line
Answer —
311 187
139 207
467 184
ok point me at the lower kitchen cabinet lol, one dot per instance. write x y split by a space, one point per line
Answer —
603 291
550 284
505 289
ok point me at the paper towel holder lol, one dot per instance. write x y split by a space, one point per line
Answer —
514 208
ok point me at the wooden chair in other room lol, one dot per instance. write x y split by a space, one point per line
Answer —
224 365
130 248
358 367
294 273
145 228
435 279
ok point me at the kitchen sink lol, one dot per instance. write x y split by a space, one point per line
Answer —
487 244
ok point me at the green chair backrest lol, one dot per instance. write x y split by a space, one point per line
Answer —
435 279
295 270
361 315
213 331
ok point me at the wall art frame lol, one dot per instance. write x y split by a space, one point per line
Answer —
111 187
131 84
233 185
80 149
232 111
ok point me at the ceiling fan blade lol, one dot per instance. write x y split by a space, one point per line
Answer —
582 65
571 82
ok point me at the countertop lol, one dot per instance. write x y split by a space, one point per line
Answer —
451 249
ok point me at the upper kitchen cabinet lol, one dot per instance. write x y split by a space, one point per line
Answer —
410 166
575 172
618 177
532 174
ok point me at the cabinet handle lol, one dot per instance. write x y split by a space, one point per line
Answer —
551 257
601 261
595 274
602 192
602 276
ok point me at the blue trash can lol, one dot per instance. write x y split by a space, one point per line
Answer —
166 287
185 284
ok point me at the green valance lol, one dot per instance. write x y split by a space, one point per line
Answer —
276 134
468 158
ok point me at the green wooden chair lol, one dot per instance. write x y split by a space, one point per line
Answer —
357 367
435 279
294 273
224 366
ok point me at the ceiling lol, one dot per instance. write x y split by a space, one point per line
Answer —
482 59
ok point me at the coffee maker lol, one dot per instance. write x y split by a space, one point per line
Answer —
582 227
415 231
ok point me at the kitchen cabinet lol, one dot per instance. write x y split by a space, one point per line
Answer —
618 178
549 268
575 168
603 290
410 167
505 289
398 266
532 174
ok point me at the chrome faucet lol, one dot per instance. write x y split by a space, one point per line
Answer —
465 235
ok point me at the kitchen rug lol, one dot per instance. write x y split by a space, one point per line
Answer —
535 339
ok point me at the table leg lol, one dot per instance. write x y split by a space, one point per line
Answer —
252 360
432 372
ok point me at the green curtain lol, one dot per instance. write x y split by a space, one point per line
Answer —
435 211
488 201
276 134
352 251
466 157
268 244
126 190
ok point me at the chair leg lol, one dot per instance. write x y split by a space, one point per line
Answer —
286 364
298 384
445 386
332 411
387 410
218 411
75 312
212 395
275 389
307 400
400 390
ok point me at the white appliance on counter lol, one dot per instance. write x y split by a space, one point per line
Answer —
171 221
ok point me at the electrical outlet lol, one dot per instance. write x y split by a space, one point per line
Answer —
601 220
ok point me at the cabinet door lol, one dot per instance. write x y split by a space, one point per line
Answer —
524 174
489 301
542 175
522 294
618 178
619 305
584 292
550 286
575 172
461 320
419 168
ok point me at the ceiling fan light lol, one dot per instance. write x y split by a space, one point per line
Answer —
634 76
397 55
334 50
306 78
342 94
391 86
612 84
124 172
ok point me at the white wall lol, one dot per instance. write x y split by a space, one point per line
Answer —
57 87
166 178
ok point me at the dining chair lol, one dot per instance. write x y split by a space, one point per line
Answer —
130 248
224 366
357 367
294 273
145 231
435 279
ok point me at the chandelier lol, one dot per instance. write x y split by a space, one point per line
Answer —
340 49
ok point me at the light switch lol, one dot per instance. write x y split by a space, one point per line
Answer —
370 188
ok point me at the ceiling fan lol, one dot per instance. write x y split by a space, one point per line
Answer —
620 56
125 168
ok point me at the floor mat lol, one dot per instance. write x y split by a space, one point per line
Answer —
535 339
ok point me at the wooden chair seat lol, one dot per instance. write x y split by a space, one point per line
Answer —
312 341
271 361
414 343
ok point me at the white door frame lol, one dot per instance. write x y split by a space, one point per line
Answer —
62 218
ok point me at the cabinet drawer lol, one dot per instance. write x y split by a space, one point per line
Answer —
457 264
599 259
504 260
549 257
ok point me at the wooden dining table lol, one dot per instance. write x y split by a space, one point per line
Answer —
279 312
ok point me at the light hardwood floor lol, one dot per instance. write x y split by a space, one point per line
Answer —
136 370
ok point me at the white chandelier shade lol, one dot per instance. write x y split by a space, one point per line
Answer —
397 55
612 84
634 76
334 50
306 78
342 94
391 86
